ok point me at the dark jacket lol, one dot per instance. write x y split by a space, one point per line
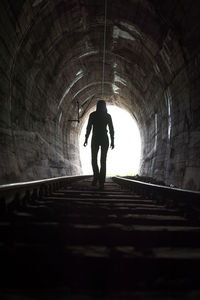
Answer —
99 121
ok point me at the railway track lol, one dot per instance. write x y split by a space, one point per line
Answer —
77 242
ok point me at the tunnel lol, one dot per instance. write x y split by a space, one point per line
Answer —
58 58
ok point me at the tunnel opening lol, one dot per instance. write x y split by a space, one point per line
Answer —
124 159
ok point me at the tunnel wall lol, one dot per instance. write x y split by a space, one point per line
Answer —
34 142
171 130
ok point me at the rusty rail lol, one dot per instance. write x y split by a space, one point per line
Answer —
18 194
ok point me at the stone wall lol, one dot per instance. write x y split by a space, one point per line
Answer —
172 141
31 137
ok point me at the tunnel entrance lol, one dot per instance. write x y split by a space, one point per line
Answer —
124 159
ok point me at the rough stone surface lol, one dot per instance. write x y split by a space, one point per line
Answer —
51 57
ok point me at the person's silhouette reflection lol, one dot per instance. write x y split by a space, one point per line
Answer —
99 120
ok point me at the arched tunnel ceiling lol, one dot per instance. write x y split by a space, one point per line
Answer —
52 58
61 51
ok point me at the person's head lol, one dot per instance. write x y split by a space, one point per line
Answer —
101 106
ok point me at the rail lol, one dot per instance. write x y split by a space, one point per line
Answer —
177 196
18 194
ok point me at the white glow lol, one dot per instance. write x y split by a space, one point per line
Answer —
77 78
79 72
125 157
119 79
130 27
88 53
115 88
119 33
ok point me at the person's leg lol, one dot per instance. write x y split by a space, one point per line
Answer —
95 149
104 150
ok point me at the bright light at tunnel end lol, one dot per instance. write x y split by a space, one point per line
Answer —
124 159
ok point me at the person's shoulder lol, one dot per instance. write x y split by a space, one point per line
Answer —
92 114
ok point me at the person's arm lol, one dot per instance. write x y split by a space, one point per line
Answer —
111 131
88 130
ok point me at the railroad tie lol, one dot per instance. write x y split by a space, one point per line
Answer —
112 240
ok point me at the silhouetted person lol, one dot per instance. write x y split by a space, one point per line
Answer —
99 120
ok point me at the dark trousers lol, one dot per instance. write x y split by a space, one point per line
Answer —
96 144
